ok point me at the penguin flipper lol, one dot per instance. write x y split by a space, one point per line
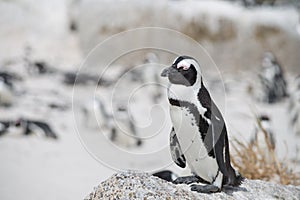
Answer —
215 137
221 149
176 152
219 133
46 129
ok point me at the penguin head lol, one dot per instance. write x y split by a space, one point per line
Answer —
265 121
264 118
19 122
297 82
268 60
185 71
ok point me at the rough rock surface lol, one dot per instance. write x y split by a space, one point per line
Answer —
134 185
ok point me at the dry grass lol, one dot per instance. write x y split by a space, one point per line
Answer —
255 162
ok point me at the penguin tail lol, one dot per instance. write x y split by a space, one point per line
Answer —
236 180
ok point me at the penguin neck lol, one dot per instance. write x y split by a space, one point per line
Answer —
184 93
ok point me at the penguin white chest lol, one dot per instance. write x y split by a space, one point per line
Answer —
191 144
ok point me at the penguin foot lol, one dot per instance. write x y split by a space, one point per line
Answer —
186 180
205 188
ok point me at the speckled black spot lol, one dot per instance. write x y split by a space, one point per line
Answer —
201 122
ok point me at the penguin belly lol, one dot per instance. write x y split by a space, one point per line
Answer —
191 144
6 95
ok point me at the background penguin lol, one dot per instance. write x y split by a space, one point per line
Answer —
4 126
199 136
146 74
6 89
74 78
294 106
258 2
122 129
263 137
35 67
272 79
166 175
95 108
31 126
151 76
7 78
118 126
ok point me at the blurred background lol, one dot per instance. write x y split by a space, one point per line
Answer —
74 108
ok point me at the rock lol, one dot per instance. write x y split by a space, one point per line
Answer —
135 185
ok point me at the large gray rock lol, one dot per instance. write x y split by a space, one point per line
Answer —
133 185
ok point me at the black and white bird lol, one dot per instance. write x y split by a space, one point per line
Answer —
35 67
263 137
146 75
74 78
166 175
118 124
248 3
272 79
26 127
95 114
6 89
122 128
37 127
198 137
5 126
151 76
294 106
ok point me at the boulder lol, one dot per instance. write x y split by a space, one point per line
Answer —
136 185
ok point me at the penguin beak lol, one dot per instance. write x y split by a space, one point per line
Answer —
165 72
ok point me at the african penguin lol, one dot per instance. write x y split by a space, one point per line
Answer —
117 125
6 91
166 175
198 136
7 78
294 106
249 3
151 77
122 128
74 78
263 137
32 126
35 67
95 108
4 126
146 75
272 79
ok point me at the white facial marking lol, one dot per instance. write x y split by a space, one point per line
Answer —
183 64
